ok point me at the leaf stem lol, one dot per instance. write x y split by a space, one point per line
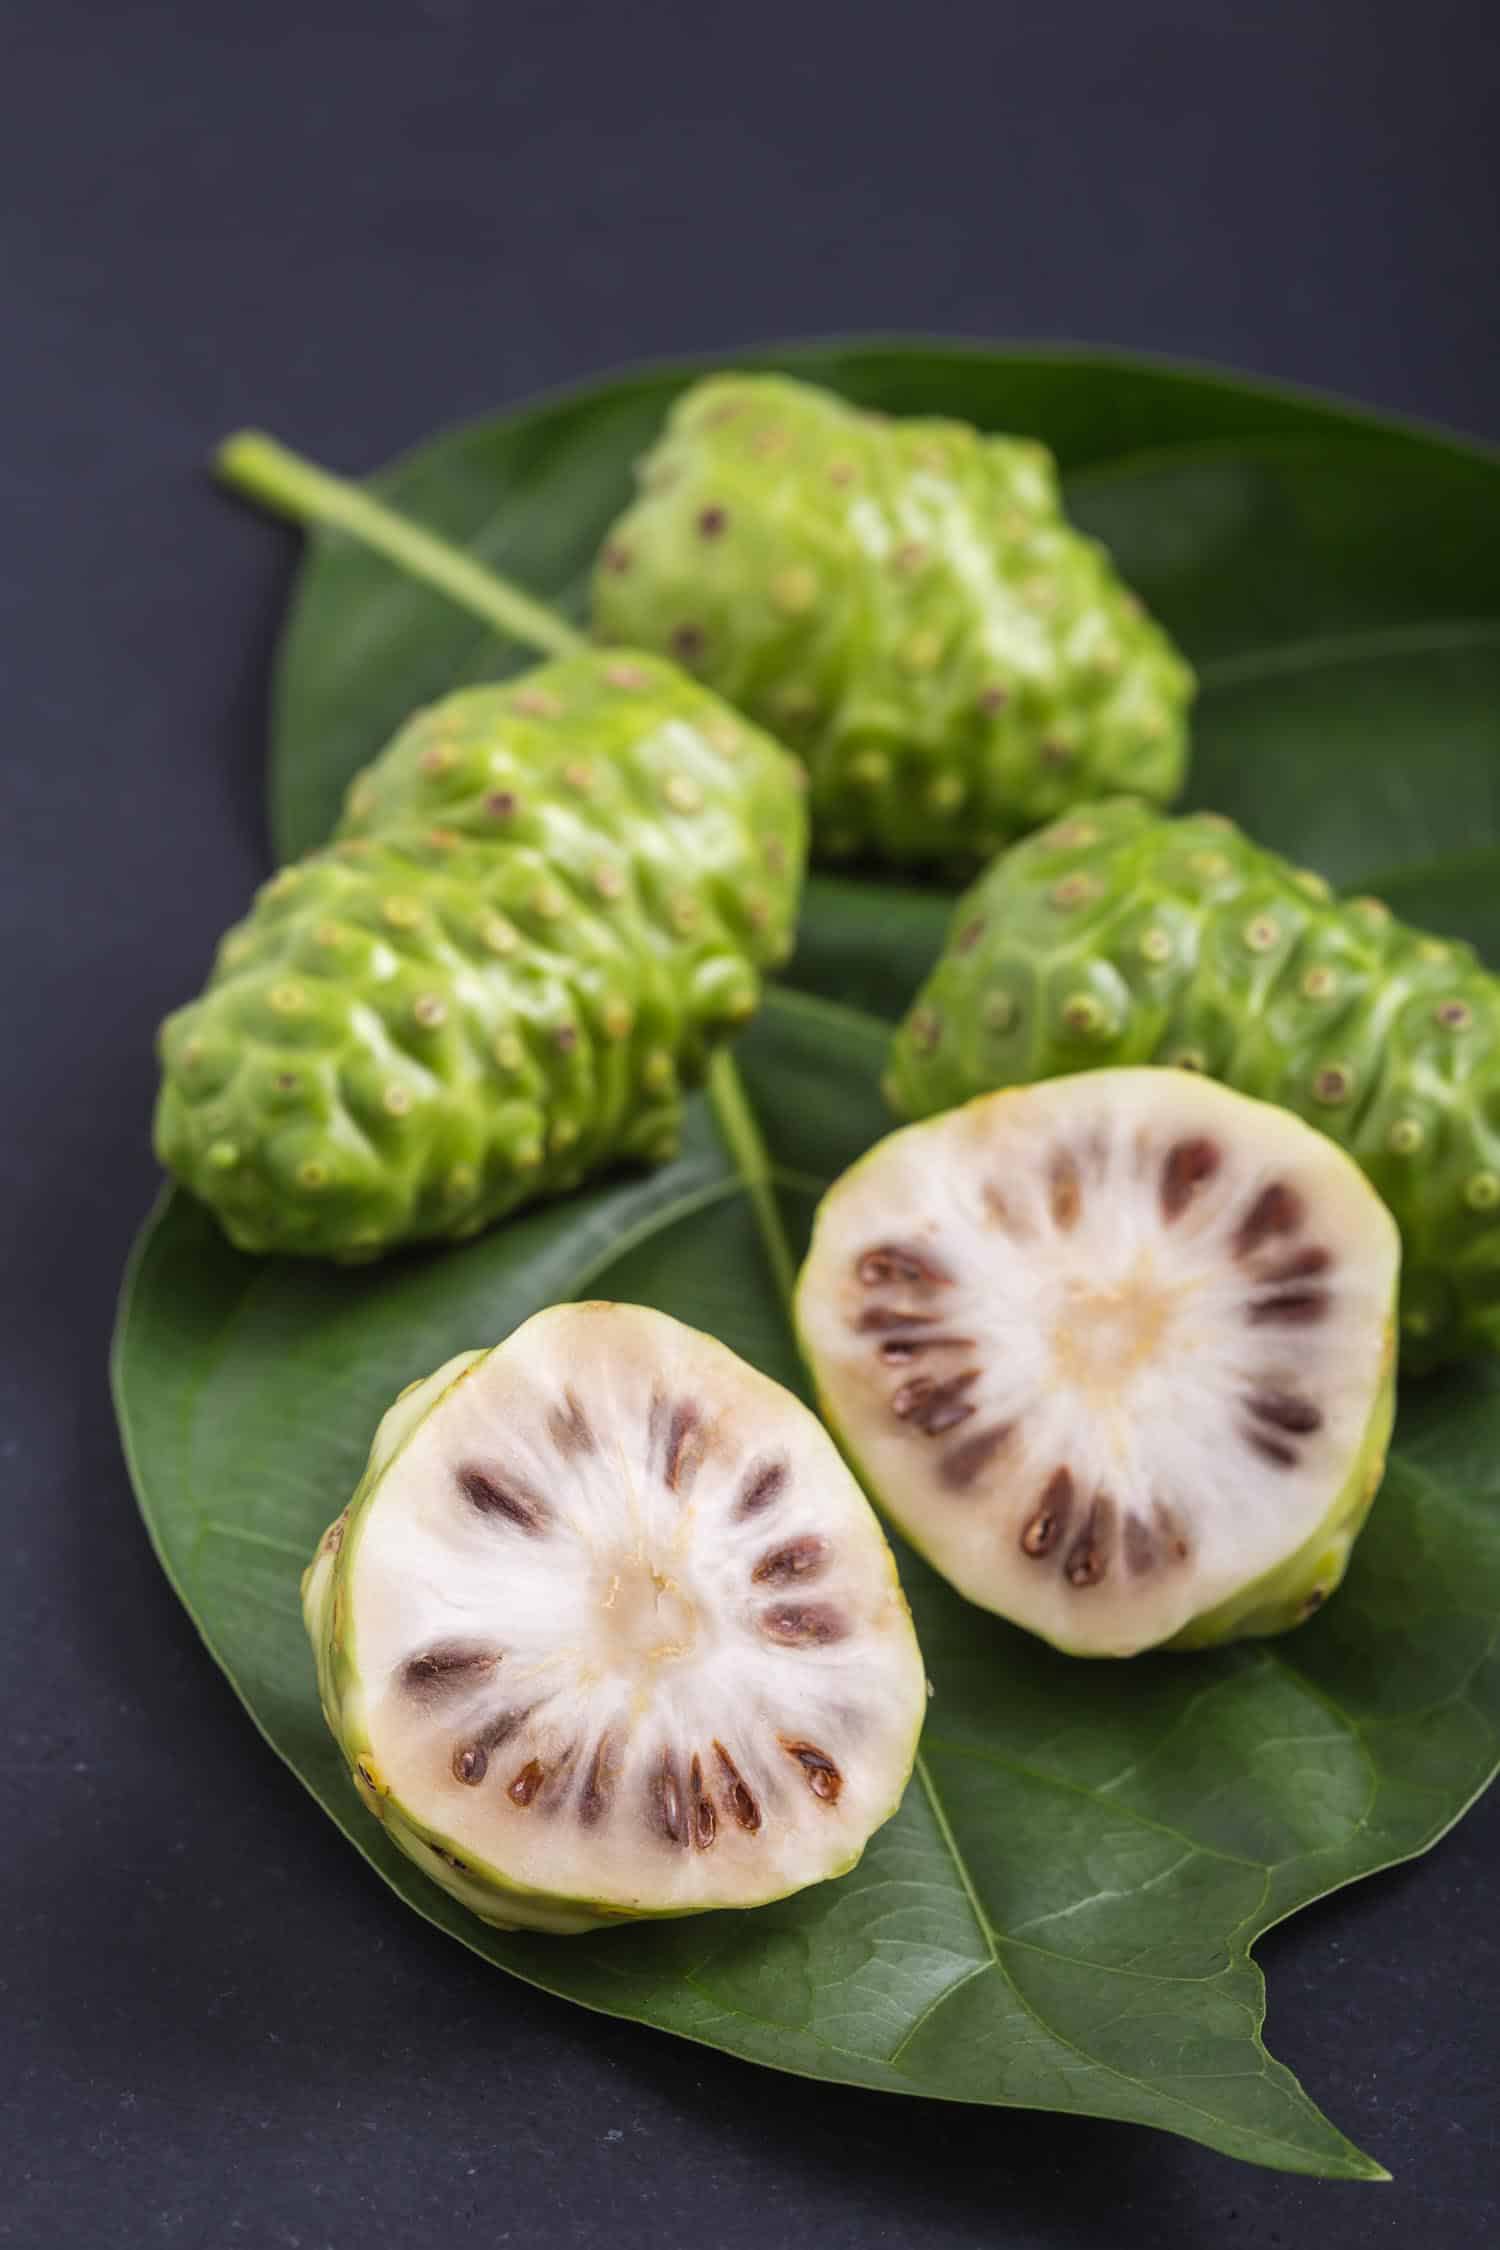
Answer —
736 1121
265 470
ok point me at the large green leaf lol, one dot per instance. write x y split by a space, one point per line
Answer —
1061 1914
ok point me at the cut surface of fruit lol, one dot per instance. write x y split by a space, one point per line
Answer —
609 1629
1115 1351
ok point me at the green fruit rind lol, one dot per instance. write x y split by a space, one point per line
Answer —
906 605
1117 936
343 1691
546 903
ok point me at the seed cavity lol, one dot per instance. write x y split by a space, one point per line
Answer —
598 1784
880 1320
1272 1449
704 1821
743 1806
1276 1210
490 1497
1300 1266
899 1351
932 1406
1140 1546
569 1427
1088 1558
1296 1308
1066 1192
1187 1166
821 1774
804 1624
1284 1410
893 1262
679 1441
765 1481
799 1558
962 1463
1045 1527
446 1665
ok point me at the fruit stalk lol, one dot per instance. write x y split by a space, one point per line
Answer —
265 470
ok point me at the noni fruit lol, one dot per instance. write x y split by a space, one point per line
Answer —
1117 936
905 604
545 903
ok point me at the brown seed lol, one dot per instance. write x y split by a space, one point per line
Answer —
878 1268
598 1785
1276 1210
746 1811
765 1481
1298 1308
1188 1164
471 1764
822 1775
1088 1557
963 1462
1169 1529
447 1664
669 1808
804 1624
1042 1530
704 1821
1271 1449
1285 1411
490 1497
797 1559
570 1428
527 1782
1066 1192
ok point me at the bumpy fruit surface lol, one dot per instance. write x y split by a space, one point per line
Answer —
904 603
1116 1351
1116 936
609 1629
546 903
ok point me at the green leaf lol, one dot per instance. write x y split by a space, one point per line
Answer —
1062 1913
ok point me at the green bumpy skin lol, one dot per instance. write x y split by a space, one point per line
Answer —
546 902
1116 936
905 604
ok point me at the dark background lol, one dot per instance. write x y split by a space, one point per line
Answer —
353 223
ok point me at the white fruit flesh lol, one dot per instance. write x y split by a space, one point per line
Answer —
1108 1348
617 1628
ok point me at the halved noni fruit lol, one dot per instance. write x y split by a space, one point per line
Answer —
609 1629
1115 1351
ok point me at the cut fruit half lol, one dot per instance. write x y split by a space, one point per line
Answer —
609 1630
1115 1351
